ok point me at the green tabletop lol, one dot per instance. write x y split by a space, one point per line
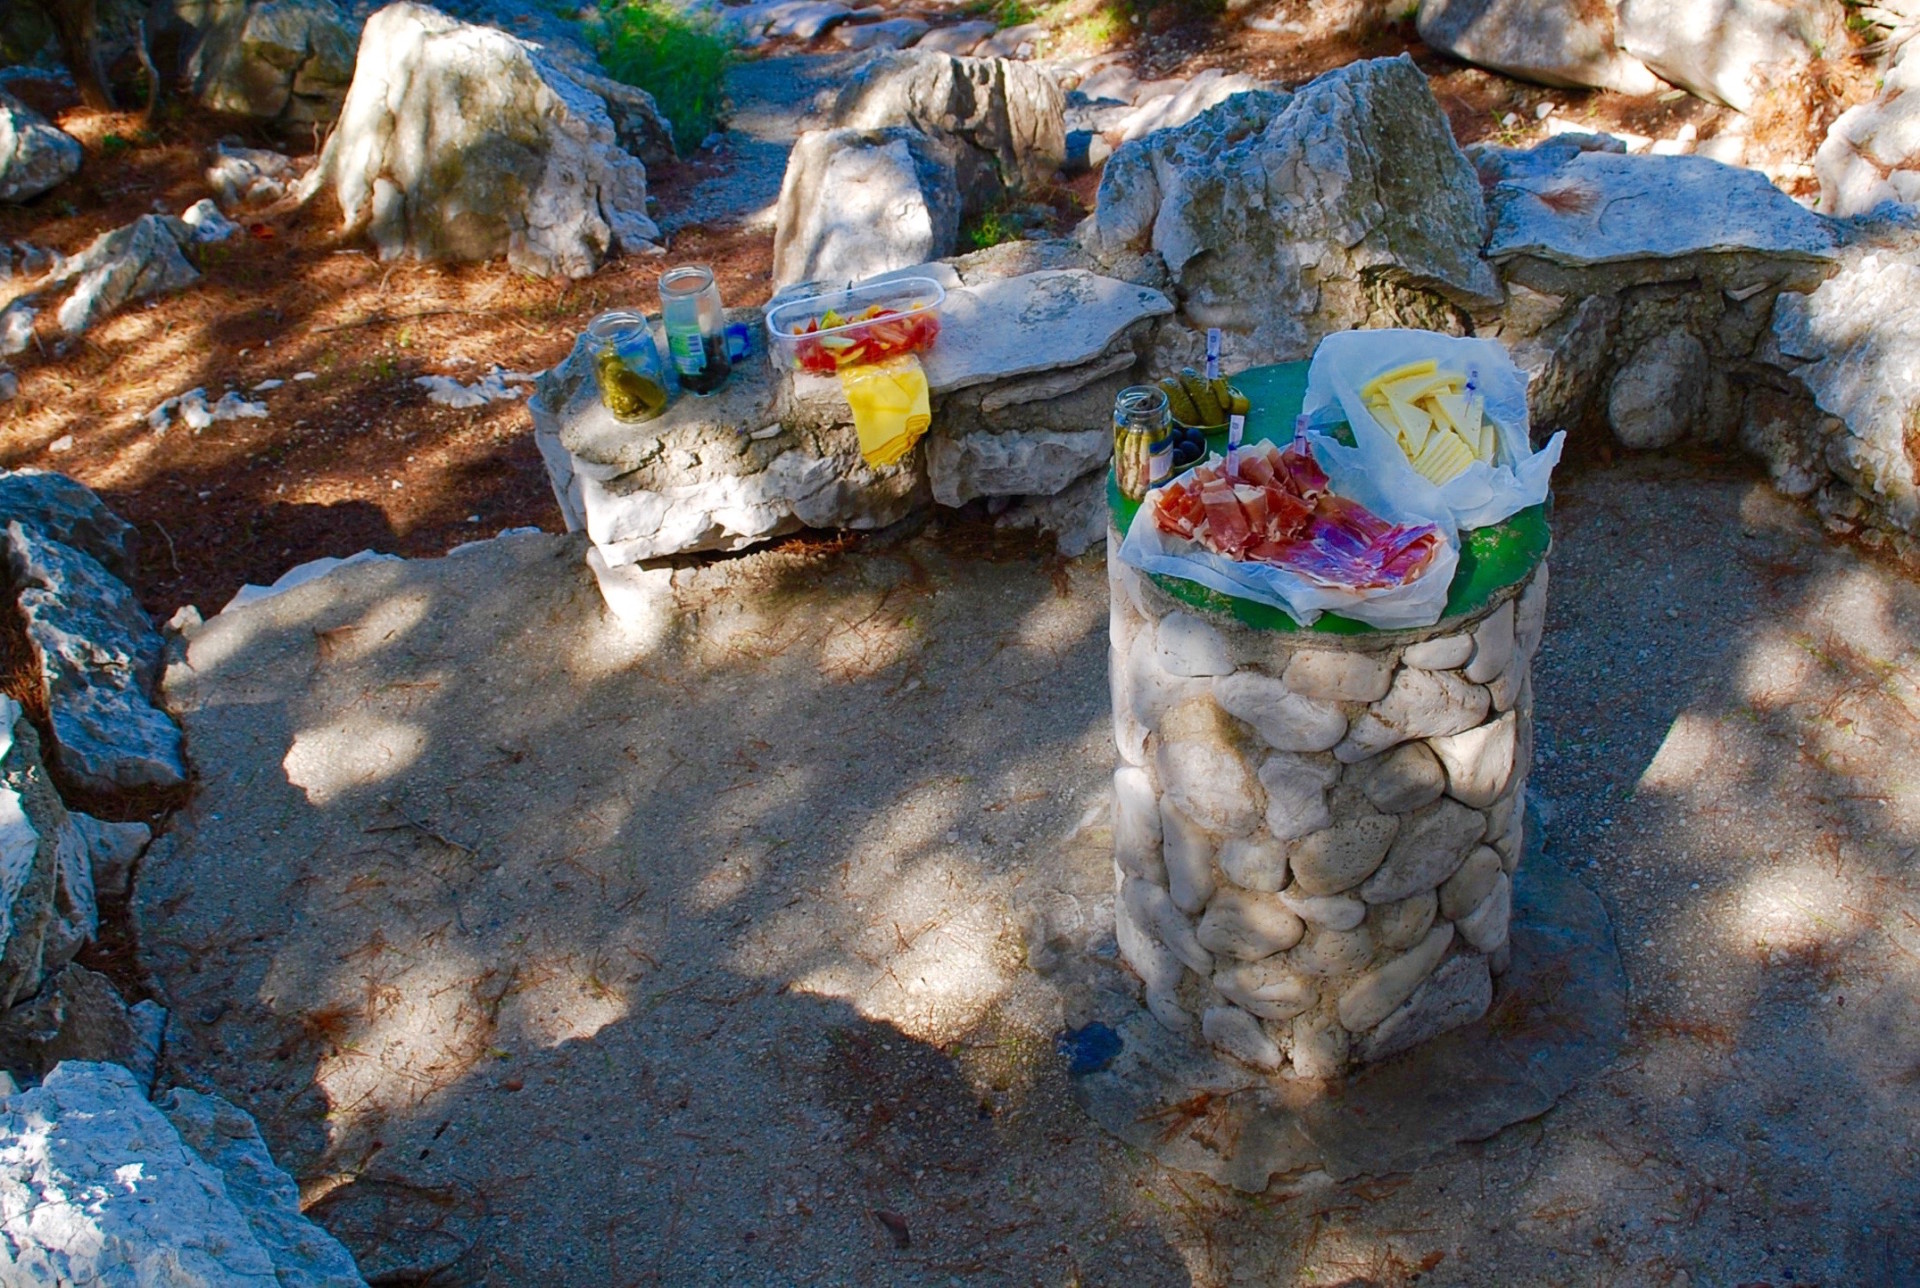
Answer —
1492 559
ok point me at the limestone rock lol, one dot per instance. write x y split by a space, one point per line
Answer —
79 1015
1403 780
1038 463
1486 926
226 1139
157 1211
1053 320
1442 654
1136 826
1297 793
1471 883
99 658
1267 988
1301 193
1008 118
245 177
29 860
288 60
1334 911
1421 704
1872 152
1458 993
1848 343
1319 1046
1492 645
1530 616
461 142
64 510
1555 43
1186 646
893 33
1283 719
1658 395
1255 862
1479 762
34 155
1188 854
959 39
1602 221
1206 774
1152 909
1248 925
1428 849
1333 675
1076 515
1172 110
112 849
1238 1034
1344 855
1399 926
1159 970
857 203
1724 52
132 262
1375 995
1331 952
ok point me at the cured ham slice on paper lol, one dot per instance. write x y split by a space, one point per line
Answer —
1275 508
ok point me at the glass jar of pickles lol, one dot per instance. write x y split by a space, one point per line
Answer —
1142 439
626 365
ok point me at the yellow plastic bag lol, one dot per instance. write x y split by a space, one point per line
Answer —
890 407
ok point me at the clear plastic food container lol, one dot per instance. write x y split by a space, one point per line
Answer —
909 324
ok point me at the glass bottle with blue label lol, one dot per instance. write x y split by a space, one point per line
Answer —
696 328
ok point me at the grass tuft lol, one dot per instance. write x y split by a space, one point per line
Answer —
679 58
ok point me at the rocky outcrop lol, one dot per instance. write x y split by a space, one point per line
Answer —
1727 51
1639 287
1872 152
288 60
34 155
64 510
79 1015
858 203
461 142
98 658
1005 119
30 861
182 1192
1348 202
134 262
1558 42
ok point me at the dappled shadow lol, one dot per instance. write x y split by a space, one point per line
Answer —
612 952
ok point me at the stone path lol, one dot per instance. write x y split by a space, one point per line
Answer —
771 97
550 955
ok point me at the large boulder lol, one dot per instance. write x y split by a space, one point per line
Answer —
98 657
1872 152
1006 119
1348 203
288 60
106 1189
68 511
1552 42
29 856
461 142
1727 51
856 203
34 156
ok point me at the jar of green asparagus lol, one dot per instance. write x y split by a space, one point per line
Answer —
1142 439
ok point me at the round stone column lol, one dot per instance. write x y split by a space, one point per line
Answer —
1315 835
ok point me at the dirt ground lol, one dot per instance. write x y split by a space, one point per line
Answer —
546 953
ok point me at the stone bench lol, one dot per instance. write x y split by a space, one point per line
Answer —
1022 381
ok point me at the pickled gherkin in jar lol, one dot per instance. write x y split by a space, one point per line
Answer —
626 366
627 394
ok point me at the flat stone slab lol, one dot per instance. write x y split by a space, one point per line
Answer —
1604 208
1559 1015
1040 322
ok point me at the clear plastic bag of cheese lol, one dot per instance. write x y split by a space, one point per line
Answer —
1449 410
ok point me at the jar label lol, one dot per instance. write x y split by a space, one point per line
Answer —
689 351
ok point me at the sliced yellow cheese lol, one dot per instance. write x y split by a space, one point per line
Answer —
1456 408
1445 456
1415 388
1424 368
1489 442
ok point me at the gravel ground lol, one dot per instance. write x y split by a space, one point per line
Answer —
548 954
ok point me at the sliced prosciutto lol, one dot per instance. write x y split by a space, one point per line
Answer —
1275 508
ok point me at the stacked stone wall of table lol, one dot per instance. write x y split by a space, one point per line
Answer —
1315 836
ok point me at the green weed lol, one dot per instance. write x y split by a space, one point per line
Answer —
991 229
678 58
